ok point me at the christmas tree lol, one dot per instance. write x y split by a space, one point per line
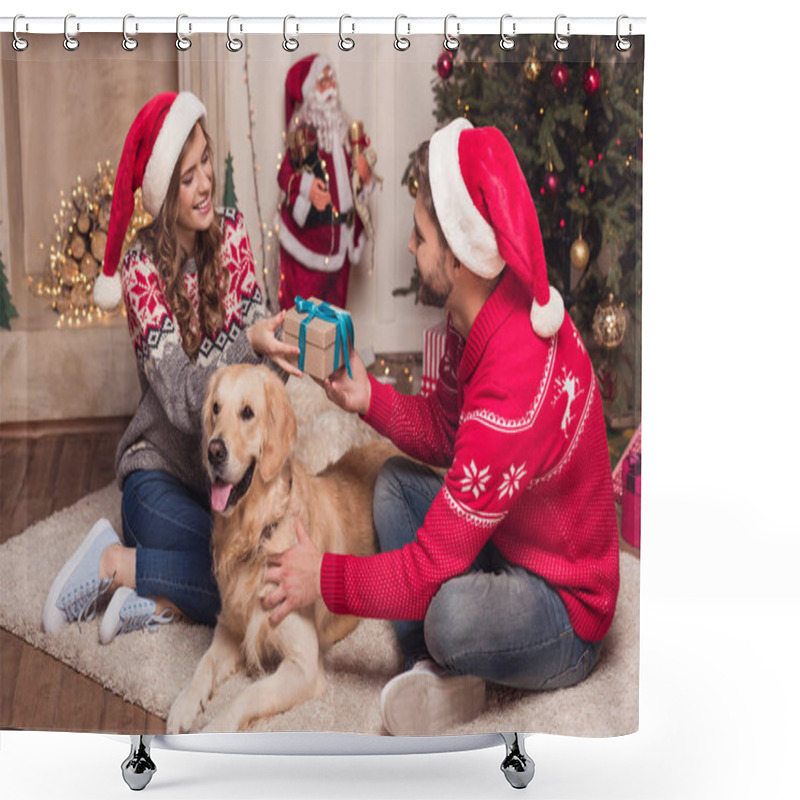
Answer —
574 120
229 199
7 310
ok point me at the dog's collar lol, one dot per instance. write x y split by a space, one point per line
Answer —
269 529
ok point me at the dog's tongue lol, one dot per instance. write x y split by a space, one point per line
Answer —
220 492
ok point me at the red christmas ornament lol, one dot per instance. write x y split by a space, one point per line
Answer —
444 64
559 76
551 183
591 80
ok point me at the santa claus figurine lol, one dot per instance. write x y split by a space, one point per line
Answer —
320 231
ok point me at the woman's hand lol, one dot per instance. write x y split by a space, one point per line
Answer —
296 572
262 339
351 394
319 195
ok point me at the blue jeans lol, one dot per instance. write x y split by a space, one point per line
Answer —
498 620
170 527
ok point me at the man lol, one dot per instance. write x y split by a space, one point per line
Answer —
320 233
506 570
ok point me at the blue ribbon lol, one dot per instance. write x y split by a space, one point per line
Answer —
344 330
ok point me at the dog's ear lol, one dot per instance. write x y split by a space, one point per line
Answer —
279 429
211 388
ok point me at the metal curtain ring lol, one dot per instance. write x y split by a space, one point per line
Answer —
623 44
401 42
561 42
70 42
18 43
451 43
289 43
182 42
507 42
233 44
129 43
345 42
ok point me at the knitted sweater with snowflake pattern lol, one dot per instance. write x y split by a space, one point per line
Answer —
518 421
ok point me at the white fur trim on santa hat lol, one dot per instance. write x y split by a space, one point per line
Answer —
469 235
547 319
314 74
184 112
107 291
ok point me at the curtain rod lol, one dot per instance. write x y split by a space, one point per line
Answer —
566 26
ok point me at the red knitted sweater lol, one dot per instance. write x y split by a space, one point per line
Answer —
518 421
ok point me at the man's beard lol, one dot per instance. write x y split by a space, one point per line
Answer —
435 290
327 117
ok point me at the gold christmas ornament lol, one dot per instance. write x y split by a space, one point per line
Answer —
579 253
532 67
609 323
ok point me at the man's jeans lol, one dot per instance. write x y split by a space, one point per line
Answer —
170 527
498 620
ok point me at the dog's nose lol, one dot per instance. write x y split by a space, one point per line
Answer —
217 452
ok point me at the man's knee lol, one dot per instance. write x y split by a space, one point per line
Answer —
451 624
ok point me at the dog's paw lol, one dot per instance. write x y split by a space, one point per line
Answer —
182 715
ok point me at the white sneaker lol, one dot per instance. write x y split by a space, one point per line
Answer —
128 612
427 700
76 590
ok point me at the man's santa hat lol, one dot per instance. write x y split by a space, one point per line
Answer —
149 156
301 82
487 214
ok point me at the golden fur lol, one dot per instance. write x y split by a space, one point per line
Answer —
247 408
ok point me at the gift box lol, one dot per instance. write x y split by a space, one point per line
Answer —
631 526
324 334
433 350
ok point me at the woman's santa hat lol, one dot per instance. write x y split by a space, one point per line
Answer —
301 81
152 149
487 214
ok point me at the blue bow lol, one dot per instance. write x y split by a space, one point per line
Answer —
344 330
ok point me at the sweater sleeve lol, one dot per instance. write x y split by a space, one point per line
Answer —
422 427
491 466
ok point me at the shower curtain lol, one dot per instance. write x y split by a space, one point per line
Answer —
73 372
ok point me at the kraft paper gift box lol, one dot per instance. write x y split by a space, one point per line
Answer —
324 334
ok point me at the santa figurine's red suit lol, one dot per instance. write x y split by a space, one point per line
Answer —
320 233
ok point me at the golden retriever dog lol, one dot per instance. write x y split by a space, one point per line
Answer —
258 490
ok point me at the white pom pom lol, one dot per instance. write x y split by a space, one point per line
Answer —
547 319
107 291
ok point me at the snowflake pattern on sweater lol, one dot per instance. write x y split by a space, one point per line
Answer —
527 468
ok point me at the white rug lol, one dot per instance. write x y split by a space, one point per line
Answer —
151 669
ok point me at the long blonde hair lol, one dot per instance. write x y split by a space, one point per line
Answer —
160 239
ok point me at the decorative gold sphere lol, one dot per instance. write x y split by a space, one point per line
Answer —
579 253
609 323
532 68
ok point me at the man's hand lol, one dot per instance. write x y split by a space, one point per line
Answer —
296 572
352 394
262 339
319 195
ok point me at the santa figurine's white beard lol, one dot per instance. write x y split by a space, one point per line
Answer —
324 111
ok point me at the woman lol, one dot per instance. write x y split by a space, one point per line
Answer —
192 304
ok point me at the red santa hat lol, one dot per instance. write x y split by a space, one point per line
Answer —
301 81
151 151
487 214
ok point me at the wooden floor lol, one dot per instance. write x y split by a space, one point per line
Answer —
38 476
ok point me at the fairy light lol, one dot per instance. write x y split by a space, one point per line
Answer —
81 223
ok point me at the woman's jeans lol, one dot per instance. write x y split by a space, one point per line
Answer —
498 620
170 527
